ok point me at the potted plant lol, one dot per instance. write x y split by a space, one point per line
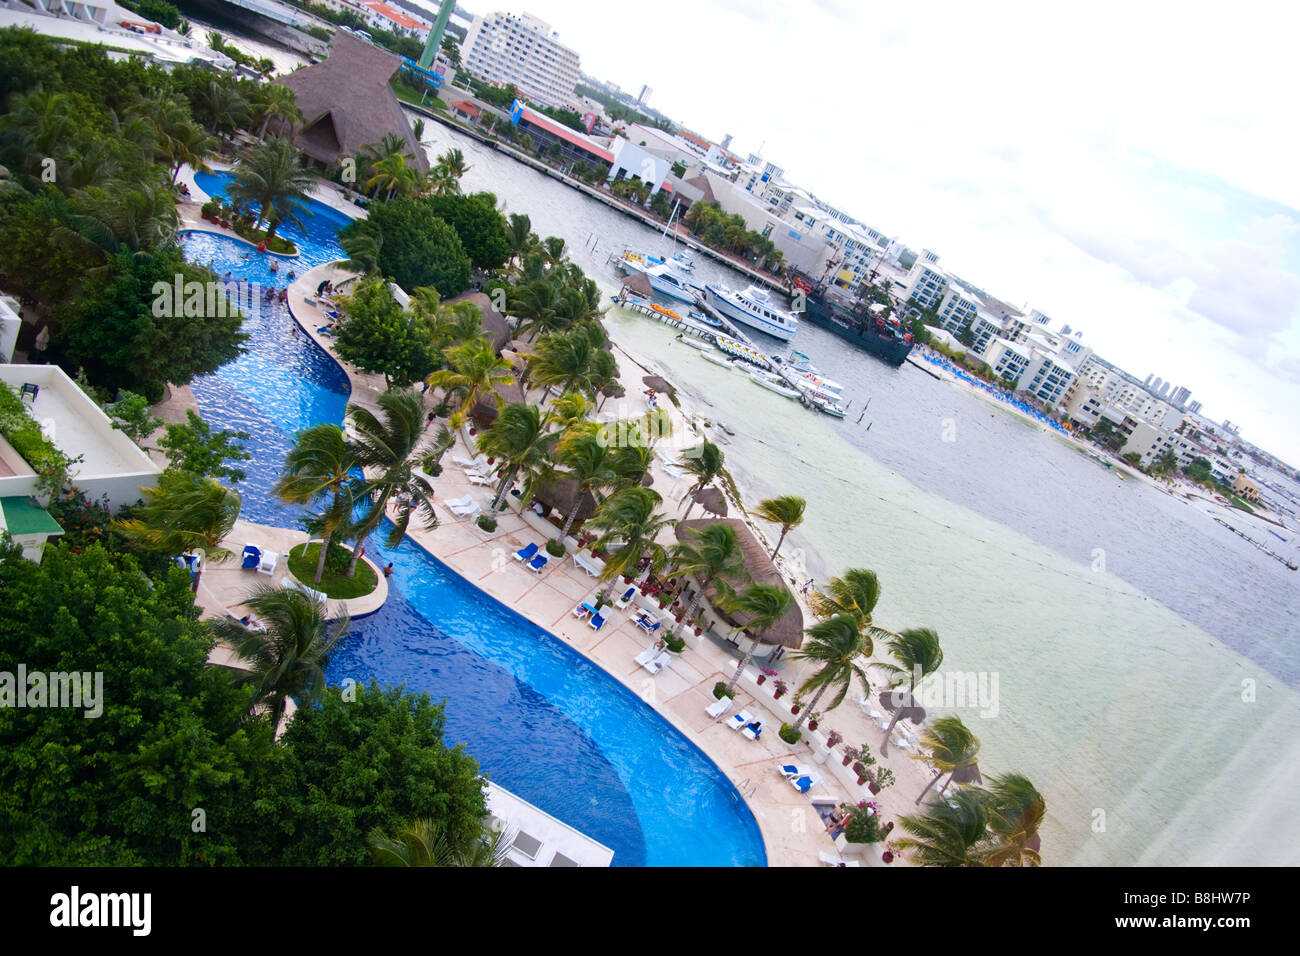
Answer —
863 825
881 778
789 734
796 705
765 673
779 687
813 719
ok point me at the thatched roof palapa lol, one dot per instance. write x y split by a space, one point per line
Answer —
347 104
494 323
788 631
639 283
713 501
485 409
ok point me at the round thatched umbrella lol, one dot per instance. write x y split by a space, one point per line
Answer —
610 391
713 501
658 384
904 707
639 283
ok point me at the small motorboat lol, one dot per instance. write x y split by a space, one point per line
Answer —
772 383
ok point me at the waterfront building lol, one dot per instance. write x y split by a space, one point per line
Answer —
630 161
1009 360
1246 488
926 281
957 308
503 48
574 146
384 16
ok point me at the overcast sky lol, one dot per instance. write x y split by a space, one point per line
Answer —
1131 169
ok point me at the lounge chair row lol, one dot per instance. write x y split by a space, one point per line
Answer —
254 558
746 723
529 556
653 660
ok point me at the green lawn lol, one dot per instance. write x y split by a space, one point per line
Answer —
302 565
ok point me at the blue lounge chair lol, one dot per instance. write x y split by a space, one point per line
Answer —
526 554
752 729
252 557
648 628
596 622
538 563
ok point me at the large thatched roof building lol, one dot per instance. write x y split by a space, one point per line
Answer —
347 104
788 631
494 323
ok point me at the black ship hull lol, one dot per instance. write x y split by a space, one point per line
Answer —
890 349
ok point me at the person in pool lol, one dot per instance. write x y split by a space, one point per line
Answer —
275 266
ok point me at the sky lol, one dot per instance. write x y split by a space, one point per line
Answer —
1128 169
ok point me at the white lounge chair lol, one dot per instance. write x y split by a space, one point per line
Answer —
476 479
719 707
628 597
791 770
736 721
292 585
656 663
588 564
645 657
478 462
805 782
268 562
830 859
463 507
753 729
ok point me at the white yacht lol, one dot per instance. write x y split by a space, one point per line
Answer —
664 277
753 307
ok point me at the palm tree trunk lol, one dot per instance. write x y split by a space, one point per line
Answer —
740 668
779 542
506 482
933 781
690 612
573 513
812 705
884 744
324 549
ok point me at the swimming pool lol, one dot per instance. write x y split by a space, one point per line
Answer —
540 718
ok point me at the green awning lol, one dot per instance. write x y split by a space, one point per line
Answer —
24 516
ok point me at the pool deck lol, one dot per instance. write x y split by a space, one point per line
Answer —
791 827
792 830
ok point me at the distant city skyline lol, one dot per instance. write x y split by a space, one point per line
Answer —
1128 171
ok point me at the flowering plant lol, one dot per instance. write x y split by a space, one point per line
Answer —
834 738
769 671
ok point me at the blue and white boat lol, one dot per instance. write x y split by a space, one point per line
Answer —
753 307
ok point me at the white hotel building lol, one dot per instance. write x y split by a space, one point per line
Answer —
503 48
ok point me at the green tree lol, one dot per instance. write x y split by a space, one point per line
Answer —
520 440
320 464
422 843
387 446
946 835
351 766
589 462
183 513
272 176
274 101
629 519
837 645
712 557
475 371
787 511
949 747
482 230
288 657
760 606
378 336
418 248
918 652
120 789
705 462
195 448
1015 812
125 331
131 416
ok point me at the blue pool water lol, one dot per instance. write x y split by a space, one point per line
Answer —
539 717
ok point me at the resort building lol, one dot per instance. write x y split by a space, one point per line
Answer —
957 308
111 467
347 104
926 281
1008 360
1246 488
538 839
630 161
384 16
502 48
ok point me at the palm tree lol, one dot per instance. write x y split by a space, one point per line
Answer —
533 303
387 447
271 175
916 650
287 659
564 359
274 101
704 462
1015 812
712 557
569 411
224 108
454 162
184 513
946 835
392 174
127 214
423 843
854 595
518 438
363 252
631 462
629 517
953 750
589 463
519 234
553 251
764 604
38 124
658 424
787 511
320 463
837 645
476 370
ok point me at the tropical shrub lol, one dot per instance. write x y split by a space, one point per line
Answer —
487 523
720 691
789 734
864 827
555 548
416 247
